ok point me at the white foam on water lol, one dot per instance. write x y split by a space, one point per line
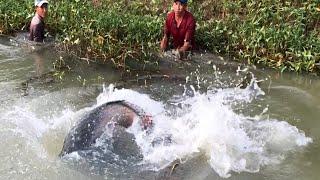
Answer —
9 51
142 100
31 143
28 126
206 123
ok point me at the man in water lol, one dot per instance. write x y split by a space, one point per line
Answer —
181 25
37 24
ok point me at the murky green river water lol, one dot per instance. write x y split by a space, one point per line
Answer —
219 130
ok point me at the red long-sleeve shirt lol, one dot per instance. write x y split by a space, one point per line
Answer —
185 32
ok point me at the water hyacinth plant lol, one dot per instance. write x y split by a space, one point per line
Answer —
281 34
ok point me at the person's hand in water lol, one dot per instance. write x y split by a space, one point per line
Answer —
177 54
162 53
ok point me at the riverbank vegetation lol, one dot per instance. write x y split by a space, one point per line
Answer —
280 34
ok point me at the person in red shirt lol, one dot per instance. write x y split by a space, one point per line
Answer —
181 25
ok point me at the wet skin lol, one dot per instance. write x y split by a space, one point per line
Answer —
117 113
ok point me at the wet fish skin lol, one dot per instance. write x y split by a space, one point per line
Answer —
117 113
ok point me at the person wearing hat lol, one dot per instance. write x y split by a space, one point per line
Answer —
181 25
37 23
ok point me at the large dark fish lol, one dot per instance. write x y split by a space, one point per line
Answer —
121 160
117 113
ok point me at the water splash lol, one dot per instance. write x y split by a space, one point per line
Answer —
205 123
110 93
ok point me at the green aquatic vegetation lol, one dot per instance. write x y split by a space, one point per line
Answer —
106 32
13 15
279 34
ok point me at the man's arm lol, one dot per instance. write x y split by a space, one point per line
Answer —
31 34
164 43
186 46
38 33
166 34
191 28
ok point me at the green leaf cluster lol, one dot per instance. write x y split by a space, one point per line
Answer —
281 34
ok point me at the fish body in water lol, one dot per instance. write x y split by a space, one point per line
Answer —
119 114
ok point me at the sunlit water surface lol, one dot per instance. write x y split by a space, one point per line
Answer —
216 130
